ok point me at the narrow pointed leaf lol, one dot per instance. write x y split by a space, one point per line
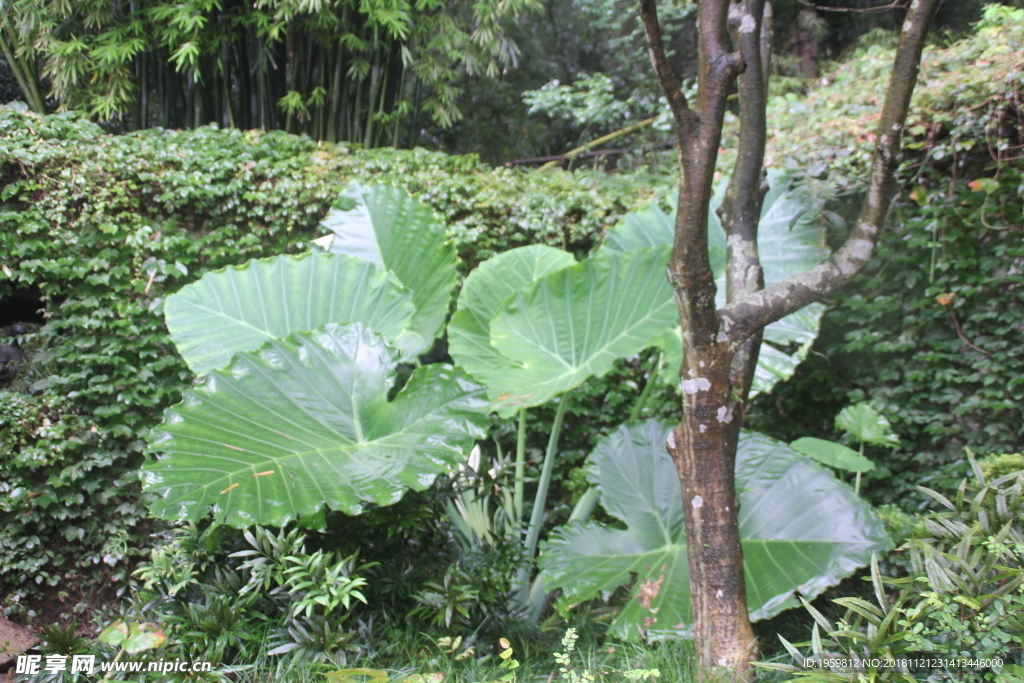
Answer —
304 422
802 530
818 616
861 607
388 227
574 323
492 282
832 454
241 307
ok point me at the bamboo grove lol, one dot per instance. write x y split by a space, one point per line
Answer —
365 71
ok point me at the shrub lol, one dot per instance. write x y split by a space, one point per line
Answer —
103 227
929 333
961 602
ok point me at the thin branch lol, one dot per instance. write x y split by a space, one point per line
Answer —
667 77
598 142
960 332
744 317
852 10
613 151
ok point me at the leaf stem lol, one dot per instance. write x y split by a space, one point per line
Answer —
856 485
520 465
638 407
537 516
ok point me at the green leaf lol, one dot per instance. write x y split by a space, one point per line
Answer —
239 308
647 227
114 634
143 637
485 288
652 227
305 421
802 530
832 454
575 322
358 676
785 248
867 424
789 241
394 231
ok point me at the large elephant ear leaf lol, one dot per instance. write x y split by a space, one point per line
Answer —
790 239
789 242
785 345
493 281
802 531
241 307
651 227
388 227
305 422
575 322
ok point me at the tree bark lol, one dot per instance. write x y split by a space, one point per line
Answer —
721 346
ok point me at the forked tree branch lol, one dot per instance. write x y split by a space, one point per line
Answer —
699 131
744 317
749 29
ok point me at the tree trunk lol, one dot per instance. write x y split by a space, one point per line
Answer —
721 346
703 448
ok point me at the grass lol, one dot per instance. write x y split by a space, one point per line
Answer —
406 653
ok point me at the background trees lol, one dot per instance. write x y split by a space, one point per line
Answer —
380 72
363 71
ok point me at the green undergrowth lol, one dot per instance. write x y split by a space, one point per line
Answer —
930 332
100 228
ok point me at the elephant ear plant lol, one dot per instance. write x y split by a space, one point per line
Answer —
802 530
297 357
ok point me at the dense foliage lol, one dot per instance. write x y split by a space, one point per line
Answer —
929 333
102 227
959 600
360 71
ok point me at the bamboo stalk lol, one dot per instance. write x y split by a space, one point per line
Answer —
371 97
333 127
25 81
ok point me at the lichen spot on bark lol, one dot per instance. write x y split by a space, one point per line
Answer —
861 248
702 428
725 414
692 386
697 502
